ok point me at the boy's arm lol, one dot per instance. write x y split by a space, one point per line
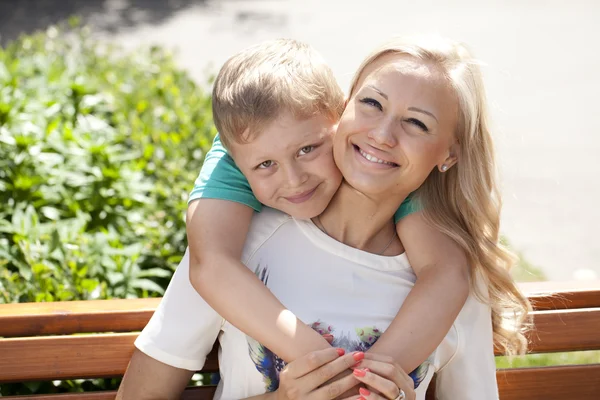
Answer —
217 232
438 296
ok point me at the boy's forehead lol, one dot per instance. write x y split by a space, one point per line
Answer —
284 134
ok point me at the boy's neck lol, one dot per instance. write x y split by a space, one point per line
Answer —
359 221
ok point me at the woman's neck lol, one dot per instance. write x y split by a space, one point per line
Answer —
359 221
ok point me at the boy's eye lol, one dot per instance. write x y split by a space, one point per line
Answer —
305 150
265 164
372 102
418 123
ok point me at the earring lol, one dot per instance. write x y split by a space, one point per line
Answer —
444 168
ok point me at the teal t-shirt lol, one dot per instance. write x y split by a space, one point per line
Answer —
221 179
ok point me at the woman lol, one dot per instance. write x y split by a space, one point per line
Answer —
415 120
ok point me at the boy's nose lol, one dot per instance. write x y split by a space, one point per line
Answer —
296 177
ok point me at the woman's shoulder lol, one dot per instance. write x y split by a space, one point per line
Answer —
264 224
267 220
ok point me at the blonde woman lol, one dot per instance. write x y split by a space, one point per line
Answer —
416 120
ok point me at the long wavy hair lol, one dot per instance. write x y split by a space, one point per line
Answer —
464 202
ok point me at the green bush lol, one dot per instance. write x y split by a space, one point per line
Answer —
98 151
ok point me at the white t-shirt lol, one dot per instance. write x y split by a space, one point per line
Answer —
352 294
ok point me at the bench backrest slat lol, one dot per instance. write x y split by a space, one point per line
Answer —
63 318
581 382
59 318
565 330
562 295
567 318
71 357
192 393
107 355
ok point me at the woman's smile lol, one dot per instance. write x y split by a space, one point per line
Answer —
367 157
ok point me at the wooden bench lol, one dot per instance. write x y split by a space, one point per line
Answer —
44 341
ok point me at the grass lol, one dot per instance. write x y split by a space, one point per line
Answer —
542 360
524 271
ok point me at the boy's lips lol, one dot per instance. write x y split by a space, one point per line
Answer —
302 197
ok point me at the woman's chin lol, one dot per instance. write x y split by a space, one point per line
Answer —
370 186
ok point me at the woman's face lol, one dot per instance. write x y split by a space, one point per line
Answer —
397 127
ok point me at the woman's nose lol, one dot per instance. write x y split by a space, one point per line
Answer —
384 135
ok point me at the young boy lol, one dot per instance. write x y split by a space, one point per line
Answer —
285 86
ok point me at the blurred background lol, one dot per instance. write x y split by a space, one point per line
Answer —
105 119
540 65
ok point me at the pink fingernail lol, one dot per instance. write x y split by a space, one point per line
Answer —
358 356
340 352
364 392
360 373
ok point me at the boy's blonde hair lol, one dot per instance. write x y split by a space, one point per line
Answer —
464 202
261 82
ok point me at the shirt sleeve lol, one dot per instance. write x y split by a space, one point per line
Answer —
470 373
410 205
184 327
221 179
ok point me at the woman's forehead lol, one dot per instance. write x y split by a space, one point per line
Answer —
403 65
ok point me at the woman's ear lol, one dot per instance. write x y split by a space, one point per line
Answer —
452 158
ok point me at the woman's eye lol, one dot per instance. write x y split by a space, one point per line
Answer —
305 150
265 164
419 124
372 102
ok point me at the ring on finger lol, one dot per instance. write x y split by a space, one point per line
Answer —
401 395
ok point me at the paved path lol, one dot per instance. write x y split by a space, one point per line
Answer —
542 74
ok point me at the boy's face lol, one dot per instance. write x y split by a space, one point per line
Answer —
290 165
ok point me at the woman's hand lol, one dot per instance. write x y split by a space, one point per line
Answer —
384 378
309 376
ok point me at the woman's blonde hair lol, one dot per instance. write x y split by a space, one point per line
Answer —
464 202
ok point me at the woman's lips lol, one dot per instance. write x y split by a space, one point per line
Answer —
374 161
302 197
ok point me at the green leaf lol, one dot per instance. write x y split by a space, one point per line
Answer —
147 284
103 144
51 213
155 273
33 386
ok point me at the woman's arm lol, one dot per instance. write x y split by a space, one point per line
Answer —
438 295
173 344
217 231
149 379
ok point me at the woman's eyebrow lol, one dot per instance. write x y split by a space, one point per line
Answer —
423 112
410 108
378 91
